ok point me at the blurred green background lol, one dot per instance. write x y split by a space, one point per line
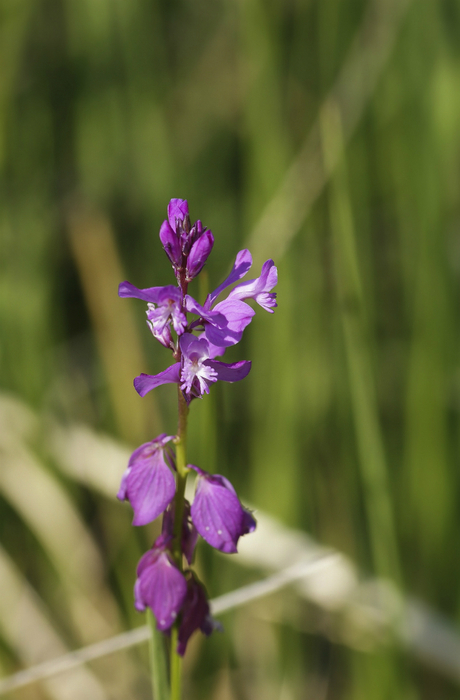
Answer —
322 133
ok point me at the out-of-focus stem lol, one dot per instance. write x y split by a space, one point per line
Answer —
182 471
158 660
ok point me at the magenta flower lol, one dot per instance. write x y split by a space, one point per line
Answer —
225 322
164 307
148 482
159 585
217 512
196 371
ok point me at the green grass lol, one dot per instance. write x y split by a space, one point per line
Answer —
348 425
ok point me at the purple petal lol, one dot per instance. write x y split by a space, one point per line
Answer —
177 211
146 382
171 243
230 372
163 588
249 522
195 613
193 347
150 488
151 294
213 317
217 514
258 289
121 495
237 316
199 254
145 451
242 265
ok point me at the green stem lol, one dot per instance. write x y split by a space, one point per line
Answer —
182 471
158 660
176 666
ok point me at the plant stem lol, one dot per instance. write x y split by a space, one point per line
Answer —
158 660
182 471
176 666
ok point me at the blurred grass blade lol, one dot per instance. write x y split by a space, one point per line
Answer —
305 179
25 628
361 380
100 270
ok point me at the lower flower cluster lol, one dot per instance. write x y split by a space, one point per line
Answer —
216 514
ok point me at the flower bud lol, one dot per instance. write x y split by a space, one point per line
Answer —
199 254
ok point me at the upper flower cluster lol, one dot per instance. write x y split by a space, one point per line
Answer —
215 325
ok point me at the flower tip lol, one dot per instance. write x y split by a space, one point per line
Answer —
177 210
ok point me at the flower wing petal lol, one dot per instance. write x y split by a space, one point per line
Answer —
163 588
151 294
243 263
230 372
217 515
146 382
150 488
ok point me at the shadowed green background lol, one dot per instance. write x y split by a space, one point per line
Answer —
322 133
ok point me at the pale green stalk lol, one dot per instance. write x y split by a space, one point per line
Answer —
182 471
158 660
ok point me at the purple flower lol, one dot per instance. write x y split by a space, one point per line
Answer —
225 322
199 370
196 371
217 512
159 585
195 614
164 306
260 288
189 532
148 483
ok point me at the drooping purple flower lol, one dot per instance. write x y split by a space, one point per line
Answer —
217 512
148 483
225 322
159 585
189 531
195 614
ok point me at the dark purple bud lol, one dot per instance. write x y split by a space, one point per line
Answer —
217 512
159 586
199 254
148 483
171 244
189 532
195 614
